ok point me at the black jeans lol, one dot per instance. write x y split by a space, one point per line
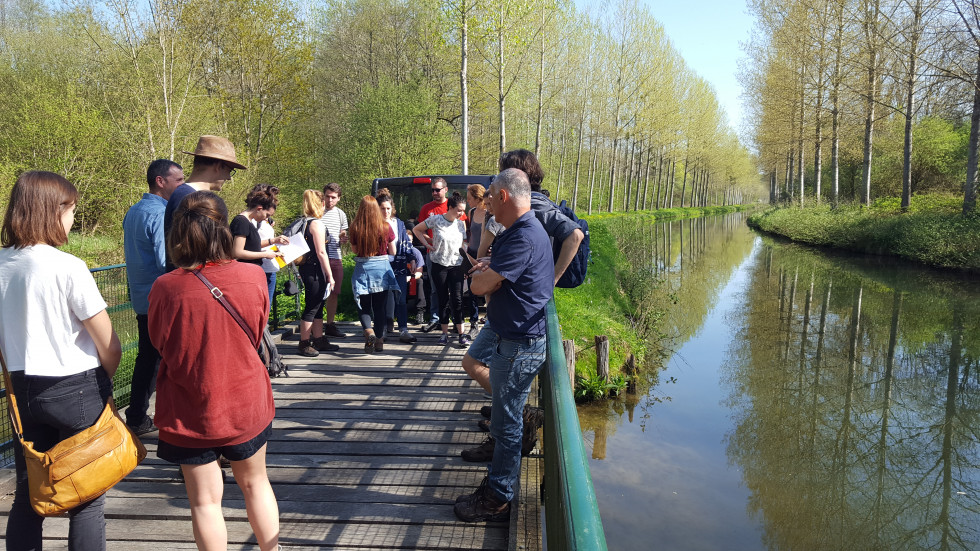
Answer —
144 374
449 283
373 312
314 284
52 409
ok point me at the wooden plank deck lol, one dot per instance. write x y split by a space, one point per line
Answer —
364 455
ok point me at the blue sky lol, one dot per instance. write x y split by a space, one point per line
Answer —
707 35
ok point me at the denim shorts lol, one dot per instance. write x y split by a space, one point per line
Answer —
200 456
483 346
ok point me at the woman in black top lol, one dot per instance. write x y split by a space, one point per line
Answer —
260 204
316 275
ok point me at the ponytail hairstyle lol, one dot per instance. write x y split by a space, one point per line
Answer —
200 232
384 196
455 199
34 211
312 203
263 195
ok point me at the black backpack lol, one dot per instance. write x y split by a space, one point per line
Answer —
575 274
270 356
298 226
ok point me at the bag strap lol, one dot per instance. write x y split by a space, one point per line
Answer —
220 297
11 401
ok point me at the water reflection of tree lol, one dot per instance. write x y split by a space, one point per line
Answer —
709 249
858 430
689 261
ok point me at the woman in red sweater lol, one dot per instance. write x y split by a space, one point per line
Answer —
208 366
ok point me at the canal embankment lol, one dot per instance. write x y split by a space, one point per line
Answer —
620 298
933 231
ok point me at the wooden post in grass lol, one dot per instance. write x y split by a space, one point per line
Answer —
569 346
602 357
630 371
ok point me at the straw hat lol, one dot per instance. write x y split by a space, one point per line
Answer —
219 148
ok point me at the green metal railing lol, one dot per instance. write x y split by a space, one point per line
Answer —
114 287
571 511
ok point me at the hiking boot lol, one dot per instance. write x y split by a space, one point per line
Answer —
406 338
379 345
481 453
144 427
369 340
479 490
330 330
482 507
430 326
307 349
485 411
484 425
391 326
323 345
533 420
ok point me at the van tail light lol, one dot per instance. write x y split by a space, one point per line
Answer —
422 180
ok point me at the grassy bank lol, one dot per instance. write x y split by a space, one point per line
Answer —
933 231
618 300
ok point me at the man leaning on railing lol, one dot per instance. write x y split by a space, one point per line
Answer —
520 277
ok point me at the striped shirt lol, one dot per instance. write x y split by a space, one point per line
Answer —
335 221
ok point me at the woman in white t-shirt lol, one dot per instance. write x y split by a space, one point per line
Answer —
57 341
446 251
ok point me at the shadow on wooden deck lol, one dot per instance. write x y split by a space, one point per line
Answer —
364 455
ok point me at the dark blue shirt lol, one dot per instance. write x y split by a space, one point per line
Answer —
183 190
522 255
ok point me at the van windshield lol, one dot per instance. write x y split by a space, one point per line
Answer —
408 199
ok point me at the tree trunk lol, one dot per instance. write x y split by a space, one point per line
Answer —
802 171
871 37
909 103
612 169
500 81
973 149
646 178
464 93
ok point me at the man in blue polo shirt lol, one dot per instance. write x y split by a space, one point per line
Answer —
143 245
521 279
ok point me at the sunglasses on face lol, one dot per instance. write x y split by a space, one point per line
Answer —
437 189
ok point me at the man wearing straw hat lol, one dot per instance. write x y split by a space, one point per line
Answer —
214 164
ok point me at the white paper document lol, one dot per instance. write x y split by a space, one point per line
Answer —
296 248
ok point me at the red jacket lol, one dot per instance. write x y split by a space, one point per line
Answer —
212 388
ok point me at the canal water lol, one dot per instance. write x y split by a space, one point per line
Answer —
812 401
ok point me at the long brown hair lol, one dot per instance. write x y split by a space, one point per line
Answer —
200 233
369 229
34 212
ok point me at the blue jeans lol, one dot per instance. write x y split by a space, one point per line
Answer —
513 366
52 409
270 278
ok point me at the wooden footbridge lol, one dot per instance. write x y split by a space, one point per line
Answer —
364 455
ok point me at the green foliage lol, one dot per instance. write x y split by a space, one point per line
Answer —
393 131
932 232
